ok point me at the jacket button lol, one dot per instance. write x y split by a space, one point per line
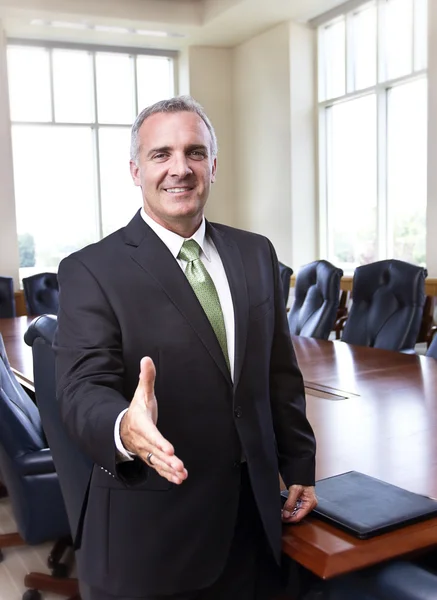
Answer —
237 464
238 412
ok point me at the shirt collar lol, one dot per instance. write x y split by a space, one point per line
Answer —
174 241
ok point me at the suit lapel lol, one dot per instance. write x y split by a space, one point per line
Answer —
153 256
235 272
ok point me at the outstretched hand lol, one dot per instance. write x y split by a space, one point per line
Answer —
301 501
139 433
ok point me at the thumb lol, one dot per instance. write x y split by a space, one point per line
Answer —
147 378
293 494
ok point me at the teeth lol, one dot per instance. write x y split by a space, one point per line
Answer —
177 190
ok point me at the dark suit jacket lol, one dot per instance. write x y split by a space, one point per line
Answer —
124 298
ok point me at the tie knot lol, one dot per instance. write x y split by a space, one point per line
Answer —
190 251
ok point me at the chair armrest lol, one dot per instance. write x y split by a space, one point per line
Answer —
339 326
36 463
431 333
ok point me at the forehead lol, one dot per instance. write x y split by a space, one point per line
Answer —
172 129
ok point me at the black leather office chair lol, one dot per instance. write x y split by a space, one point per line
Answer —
285 273
316 300
29 474
387 305
73 468
7 300
41 293
397 580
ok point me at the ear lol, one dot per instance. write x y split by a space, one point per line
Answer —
135 172
214 170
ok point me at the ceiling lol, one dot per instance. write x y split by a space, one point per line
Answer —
170 24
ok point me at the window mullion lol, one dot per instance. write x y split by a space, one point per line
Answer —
384 237
52 86
381 36
330 234
349 54
415 62
413 38
136 107
325 239
99 216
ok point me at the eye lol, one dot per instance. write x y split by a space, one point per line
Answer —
198 154
160 156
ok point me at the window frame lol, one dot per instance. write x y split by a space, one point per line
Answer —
384 241
94 124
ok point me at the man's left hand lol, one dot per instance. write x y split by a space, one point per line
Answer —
301 501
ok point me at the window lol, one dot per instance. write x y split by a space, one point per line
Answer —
352 185
71 113
373 133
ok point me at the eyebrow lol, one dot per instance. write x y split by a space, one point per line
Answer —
167 149
156 150
197 147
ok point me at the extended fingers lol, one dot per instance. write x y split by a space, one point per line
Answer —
172 462
175 475
164 459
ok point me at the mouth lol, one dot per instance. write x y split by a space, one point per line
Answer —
178 191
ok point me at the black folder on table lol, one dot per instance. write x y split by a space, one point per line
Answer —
365 506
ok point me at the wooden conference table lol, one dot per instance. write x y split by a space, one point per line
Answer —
373 411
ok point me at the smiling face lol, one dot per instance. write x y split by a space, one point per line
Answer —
174 169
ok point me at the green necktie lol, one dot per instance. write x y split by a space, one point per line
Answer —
204 288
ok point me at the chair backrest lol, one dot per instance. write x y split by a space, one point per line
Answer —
26 464
316 299
7 300
41 292
73 468
397 579
387 305
20 422
284 274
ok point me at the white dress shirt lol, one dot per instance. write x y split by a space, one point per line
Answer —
213 264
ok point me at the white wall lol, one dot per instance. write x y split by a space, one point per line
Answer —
275 129
210 83
431 215
8 226
303 171
262 129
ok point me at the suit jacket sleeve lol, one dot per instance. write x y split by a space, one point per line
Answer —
294 435
89 369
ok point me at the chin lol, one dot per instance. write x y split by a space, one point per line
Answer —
190 210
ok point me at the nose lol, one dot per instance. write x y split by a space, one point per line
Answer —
179 166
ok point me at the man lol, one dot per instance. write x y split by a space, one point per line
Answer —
176 376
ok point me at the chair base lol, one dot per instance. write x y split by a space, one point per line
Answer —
7 540
54 559
47 583
57 581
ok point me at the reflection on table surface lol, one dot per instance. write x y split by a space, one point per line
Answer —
378 413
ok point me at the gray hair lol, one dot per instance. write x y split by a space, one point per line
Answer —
176 104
